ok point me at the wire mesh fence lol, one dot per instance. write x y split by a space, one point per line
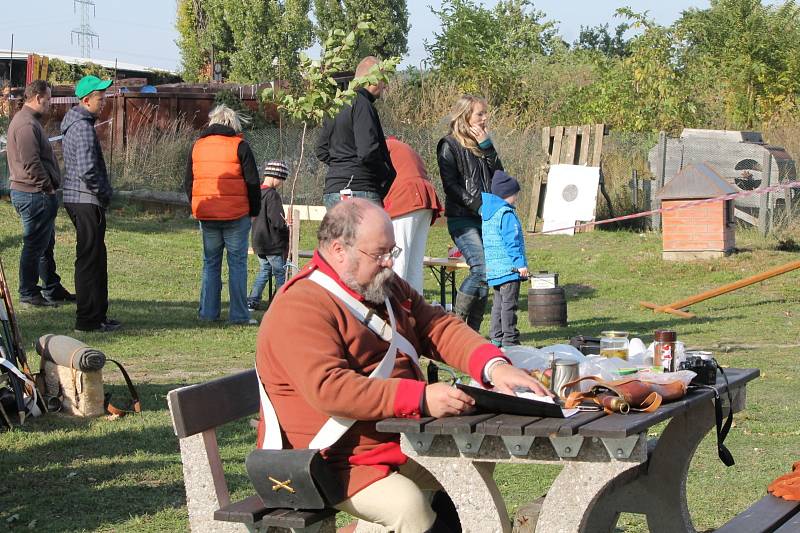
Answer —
632 164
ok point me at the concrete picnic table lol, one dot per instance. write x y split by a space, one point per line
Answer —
609 464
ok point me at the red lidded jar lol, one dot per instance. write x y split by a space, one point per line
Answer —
664 349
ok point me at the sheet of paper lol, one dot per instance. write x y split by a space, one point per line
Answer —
571 196
533 396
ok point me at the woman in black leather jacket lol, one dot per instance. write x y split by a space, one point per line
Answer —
467 161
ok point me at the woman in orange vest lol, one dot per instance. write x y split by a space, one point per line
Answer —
222 185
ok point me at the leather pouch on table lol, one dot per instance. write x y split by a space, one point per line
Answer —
625 395
293 479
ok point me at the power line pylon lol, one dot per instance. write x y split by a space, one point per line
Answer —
84 33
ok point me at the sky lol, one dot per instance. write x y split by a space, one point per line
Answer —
143 32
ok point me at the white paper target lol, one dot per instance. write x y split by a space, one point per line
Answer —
571 196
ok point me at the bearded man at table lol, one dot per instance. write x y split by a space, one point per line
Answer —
339 350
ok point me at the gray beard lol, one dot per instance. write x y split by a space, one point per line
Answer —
376 291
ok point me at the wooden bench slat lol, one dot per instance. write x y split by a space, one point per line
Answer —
562 427
248 511
793 525
456 425
765 515
403 425
196 408
505 425
251 511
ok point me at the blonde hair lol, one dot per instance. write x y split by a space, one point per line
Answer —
226 116
459 122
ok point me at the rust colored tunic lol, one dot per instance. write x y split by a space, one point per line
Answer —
314 356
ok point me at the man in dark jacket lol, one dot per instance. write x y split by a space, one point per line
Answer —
354 147
34 180
87 193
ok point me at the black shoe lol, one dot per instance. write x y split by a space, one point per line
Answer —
37 301
62 296
107 326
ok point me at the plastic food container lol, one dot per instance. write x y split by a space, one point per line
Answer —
614 344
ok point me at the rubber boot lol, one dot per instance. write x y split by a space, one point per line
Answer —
463 305
476 313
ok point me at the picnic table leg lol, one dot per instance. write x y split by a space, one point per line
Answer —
656 489
453 287
471 486
443 286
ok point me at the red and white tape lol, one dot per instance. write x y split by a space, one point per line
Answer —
761 190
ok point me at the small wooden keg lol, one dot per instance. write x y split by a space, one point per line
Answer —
547 307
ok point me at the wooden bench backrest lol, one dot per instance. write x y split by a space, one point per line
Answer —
197 408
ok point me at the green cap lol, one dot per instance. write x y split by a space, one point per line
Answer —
88 84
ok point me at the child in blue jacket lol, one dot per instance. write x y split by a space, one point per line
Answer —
506 264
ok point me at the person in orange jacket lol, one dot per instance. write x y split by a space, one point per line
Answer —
223 188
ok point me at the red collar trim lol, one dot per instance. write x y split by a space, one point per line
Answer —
325 268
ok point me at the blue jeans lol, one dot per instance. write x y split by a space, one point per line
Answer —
470 242
38 212
270 265
219 235
332 198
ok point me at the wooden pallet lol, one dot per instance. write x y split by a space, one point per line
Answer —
570 145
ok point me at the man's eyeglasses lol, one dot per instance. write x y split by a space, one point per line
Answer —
382 259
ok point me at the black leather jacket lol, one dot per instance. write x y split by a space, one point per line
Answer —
465 176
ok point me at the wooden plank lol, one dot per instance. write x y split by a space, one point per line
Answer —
403 425
251 511
536 195
456 425
764 199
555 155
585 132
747 217
296 520
546 140
505 425
196 408
765 515
598 145
562 427
793 525
571 134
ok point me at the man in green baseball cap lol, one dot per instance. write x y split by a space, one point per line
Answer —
89 84
87 194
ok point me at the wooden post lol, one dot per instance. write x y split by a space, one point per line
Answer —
661 171
763 200
571 133
599 131
294 244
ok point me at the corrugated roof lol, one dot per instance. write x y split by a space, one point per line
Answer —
696 181
105 63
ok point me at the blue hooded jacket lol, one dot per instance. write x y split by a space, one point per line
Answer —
503 243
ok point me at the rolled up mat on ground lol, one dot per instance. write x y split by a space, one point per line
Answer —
71 353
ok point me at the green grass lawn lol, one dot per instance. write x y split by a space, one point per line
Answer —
65 474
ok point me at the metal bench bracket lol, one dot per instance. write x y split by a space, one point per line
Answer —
567 446
421 442
620 448
518 446
469 443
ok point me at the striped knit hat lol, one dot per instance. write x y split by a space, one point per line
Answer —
276 169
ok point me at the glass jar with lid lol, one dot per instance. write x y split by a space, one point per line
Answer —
614 344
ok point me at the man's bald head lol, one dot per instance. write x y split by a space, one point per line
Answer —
363 69
344 220
365 65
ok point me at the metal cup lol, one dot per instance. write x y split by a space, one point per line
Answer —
564 371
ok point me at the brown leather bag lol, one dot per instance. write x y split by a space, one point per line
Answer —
625 395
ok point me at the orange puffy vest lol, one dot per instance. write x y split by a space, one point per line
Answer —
219 191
